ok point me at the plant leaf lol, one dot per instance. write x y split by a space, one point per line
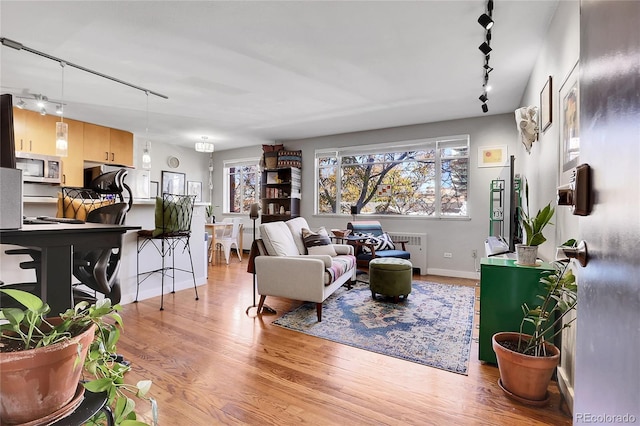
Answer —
28 300
98 385
143 387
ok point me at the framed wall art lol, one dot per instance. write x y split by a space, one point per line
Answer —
546 102
173 183
570 120
195 188
493 156
153 188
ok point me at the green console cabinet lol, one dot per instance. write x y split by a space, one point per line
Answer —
504 287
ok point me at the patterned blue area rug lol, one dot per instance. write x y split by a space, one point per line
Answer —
433 327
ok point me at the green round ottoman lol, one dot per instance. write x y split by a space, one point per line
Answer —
390 276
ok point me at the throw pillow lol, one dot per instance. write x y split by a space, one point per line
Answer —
318 242
171 216
290 159
381 242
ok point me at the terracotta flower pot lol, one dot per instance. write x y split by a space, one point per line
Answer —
525 376
37 382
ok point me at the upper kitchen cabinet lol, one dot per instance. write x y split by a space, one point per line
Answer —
108 146
73 163
33 132
121 143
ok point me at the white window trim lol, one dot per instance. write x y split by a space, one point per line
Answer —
397 146
227 164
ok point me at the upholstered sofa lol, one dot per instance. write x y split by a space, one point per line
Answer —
287 270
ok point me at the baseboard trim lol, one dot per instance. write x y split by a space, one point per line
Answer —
566 388
454 273
153 289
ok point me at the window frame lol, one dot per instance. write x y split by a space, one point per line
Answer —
439 144
226 180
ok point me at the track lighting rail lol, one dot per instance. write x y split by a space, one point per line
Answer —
19 46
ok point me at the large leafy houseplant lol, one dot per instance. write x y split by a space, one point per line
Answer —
527 361
534 225
29 329
527 253
560 298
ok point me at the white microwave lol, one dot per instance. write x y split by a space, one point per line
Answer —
39 168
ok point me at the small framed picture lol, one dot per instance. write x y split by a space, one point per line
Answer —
493 156
546 103
195 188
153 188
570 120
173 183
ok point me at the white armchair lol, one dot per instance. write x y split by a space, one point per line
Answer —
287 271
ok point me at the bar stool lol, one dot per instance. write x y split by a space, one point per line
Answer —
173 228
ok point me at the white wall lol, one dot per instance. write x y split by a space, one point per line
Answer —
194 164
455 236
542 168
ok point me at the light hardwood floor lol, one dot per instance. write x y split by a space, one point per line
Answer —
212 364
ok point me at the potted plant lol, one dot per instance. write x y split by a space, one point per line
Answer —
42 360
527 253
527 361
209 211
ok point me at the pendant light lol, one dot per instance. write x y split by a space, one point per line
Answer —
62 129
146 152
204 146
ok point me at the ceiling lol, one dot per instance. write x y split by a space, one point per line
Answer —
245 73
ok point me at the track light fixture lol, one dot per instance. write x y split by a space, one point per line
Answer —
485 48
40 100
21 103
486 21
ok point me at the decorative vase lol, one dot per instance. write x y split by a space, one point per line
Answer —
524 376
526 255
38 382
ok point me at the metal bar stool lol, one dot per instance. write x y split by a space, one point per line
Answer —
173 229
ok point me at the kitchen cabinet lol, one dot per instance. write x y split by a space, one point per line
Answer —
108 146
73 163
504 287
280 195
121 144
33 132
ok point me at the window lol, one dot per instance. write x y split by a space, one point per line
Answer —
241 185
414 178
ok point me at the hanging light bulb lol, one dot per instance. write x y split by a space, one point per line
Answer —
62 129
146 152
146 156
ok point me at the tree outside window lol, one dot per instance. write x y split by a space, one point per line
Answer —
429 179
242 186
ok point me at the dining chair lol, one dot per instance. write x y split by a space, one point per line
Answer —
231 238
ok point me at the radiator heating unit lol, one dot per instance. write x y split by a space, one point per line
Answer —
416 245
